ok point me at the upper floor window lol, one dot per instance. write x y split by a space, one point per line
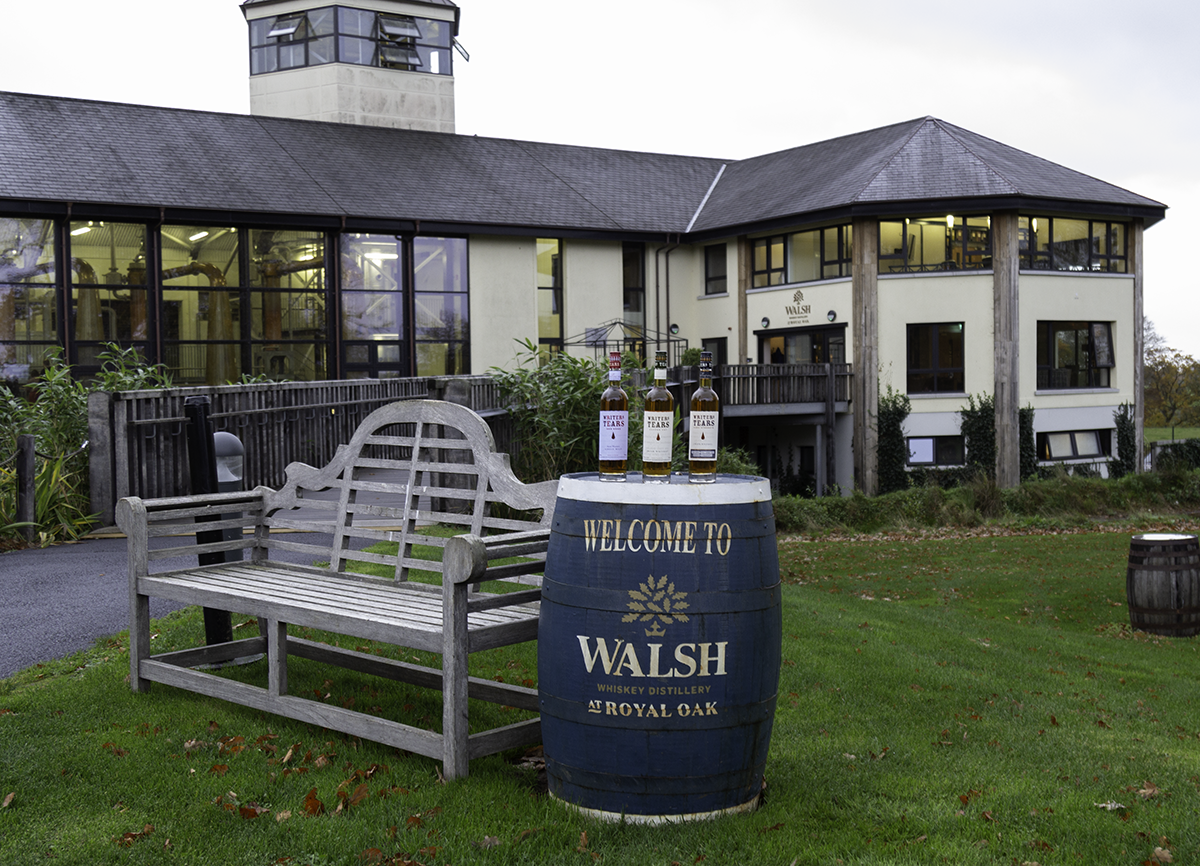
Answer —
769 262
338 34
550 294
935 359
715 281
943 243
1061 244
821 254
1074 355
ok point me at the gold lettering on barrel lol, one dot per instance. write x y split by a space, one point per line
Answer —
680 536
703 659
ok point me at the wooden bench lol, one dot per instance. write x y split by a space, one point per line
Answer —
408 462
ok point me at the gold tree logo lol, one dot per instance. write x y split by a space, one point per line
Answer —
657 603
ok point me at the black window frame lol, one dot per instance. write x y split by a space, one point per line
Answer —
1098 353
775 273
960 242
937 370
394 41
1033 259
1103 440
947 451
714 255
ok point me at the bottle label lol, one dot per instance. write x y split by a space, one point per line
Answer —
614 375
614 435
656 437
702 438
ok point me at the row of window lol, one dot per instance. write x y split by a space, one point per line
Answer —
339 34
227 302
926 244
945 451
1069 355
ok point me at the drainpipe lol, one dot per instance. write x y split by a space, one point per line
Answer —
667 248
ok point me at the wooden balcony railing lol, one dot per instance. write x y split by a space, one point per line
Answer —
767 384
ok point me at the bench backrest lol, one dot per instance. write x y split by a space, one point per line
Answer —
408 464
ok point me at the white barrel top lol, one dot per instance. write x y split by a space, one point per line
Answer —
726 490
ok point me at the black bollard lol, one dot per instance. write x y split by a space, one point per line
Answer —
202 466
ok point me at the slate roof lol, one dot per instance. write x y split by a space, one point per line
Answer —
55 150
924 160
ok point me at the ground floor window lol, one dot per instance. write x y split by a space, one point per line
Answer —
1074 444
935 359
936 451
1074 355
807 346
214 303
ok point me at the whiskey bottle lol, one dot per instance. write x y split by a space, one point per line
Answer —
658 426
614 424
702 435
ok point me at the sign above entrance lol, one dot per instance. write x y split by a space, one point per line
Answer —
799 311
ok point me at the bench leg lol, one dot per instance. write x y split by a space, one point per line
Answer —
455 723
276 656
139 639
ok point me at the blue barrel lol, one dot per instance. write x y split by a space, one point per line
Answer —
659 646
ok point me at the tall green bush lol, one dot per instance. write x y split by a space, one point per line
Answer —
1027 443
1125 463
893 449
979 433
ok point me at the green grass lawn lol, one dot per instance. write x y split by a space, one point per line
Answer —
959 700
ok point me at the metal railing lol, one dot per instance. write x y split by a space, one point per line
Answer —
766 384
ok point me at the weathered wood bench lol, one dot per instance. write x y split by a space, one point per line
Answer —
419 460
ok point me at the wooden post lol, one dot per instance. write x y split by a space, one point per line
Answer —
830 423
743 284
1006 347
26 493
865 333
1133 253
100 456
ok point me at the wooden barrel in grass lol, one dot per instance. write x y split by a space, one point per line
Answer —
1162 584
659 646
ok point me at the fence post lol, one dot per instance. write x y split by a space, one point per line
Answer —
26 495
202 467
100 456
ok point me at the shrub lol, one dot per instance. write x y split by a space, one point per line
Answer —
1125 462
893 449
979 433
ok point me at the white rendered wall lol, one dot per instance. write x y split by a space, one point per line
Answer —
803 305
503 299
362 95
1085 298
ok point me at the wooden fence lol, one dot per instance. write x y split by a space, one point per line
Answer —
762 384
138 440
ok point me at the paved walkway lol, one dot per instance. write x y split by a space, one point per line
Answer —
58 600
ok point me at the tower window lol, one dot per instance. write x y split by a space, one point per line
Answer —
340 34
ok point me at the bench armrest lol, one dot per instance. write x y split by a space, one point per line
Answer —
466 557
143 519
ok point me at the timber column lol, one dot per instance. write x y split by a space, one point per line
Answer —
864 389
1006 347
1134 255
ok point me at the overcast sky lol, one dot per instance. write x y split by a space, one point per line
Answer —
1105 87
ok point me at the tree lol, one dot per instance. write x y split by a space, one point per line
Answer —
1172 382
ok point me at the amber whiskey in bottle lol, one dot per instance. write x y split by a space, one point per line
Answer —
702 433
614 424
658 426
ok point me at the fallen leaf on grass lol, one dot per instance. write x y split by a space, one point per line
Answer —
1110 806
525 834
280 817
218 769
1149 789
582 841
488 842
8 800
313 806
778 826
249 813
126 840
1162 855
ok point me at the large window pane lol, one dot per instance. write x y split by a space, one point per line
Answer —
1071 245
1074 354
288 332
28 301
715 282
440 264
804 256
550 293
108 293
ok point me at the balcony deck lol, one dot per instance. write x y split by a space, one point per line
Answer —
783 389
